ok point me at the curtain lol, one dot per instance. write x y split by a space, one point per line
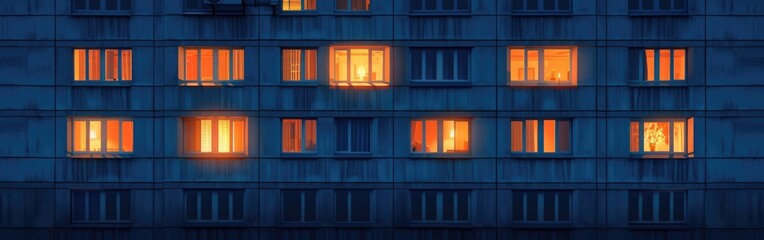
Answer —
563 136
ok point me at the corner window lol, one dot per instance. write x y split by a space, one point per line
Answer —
106 7
659 7
360 66
440 64
426 6
214 205
101 135
353 135
664 65
657 207
298 135
353 206
540 136
541 206
210 135
298 65
101 206
541 6
352 5
440 136
103 65
298 206
210 66
542 66
662 136
440 206
298 5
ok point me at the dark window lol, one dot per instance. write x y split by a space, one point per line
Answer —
439 206
353 205
657 6
541 206
657 206
443 64
196 6
541 6
101 6
298 205
214 205
353 5
101 206
353 134
439 5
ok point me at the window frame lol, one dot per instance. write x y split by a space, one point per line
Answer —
104 137
350 121
214 152
666 154
540 82
540 138
656 207
642 65
297 12
102 197
302 80
103 11
540 209
349 10
655 11
439 194
202 9
303 201
541 12
213 208
215 81
440 136
439 9
439 65
349 206
333 74
102 67
303 150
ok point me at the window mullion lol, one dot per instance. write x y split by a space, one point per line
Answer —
656 64
349 206
119 128
640 203
440 136
102 205
671 65
525 62
102 74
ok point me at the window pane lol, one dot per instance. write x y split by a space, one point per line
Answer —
191 205
80 134
430 5
517 64
95 136
448 64
549 136
431 64
310 5
377 65
691 135
531 136
78 205
291 5
463 64
127 64
111 205
517 206
238 205
341 205
292 206
462 4
679 206
206 210
310 64
563 206
533 64
532 210
112 64
416 205
430 205
111 4
664 4
224 205
557 64
517 136
360 5
549 206
664 206
360 131
206 135
563 5
680 4
449 132
416 62
647 206
192 134
238 136
341 64
650 64
292 135
532 5
224 136
206 65
192 62
124 204
518 5
665 65
127 136
448 5
310 206
95 5
448 208
462 136
361 206
416 5
548 4
463 206
290 64
431 135
416 136
634 4
656 137
94 205
112 135
126 5
94 63
341 4
79 64
679 134
224 57
341 134
633 206
647 4
310 135
238 64
679 64
563 136
79 4
634 139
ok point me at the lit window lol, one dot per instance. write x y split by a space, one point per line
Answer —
352 5
360 66
653 207
541 66
353 205
440 206
541 206
209 66
298 135
540 136
662 136
657 7
440 64
101 135
298 65
103 65
353 134
101 206
665 65
101 6
214 205
440 136
541 6
439 5
215 135
298 5
298 205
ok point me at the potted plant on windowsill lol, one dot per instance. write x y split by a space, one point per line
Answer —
654 136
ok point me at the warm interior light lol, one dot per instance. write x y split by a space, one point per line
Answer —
361 72
206 135
92 134
452 133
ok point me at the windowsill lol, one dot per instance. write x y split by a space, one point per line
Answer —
215 155
308 13
200 12
662 155
439 83
120 224
102 13
441 13
361 84
451 155
99 155
658 225
352 154
352 13
103 83
540 84
298 224
645 83
653 13
212 84
221 224
541 155
299 155
541 224
302 83
353 224
442 224
542 13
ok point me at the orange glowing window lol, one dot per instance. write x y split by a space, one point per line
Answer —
207 135
101 135
205 66
540 136
298 135
298 5
359 66
440 136
352 5
298 65
103 65
553 66
662 136
665 65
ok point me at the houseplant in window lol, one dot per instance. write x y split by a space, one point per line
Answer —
654 135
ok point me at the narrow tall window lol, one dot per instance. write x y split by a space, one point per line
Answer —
540 6
541 206
662 136
440 136
209 66
206 135
352 5
298 65
439 6
360 66
440 64
558 68
540 136
214 205
101 206
102 6
657 207
298 135
440 206
103 65
298 205
353 135
101 135
665 65
298 5
353 205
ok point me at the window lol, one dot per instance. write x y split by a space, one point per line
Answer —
449 64
558 68
439 6
540 136
360 66
207 135
353 134
353 205
440 136
299 206
440 206
298 135
101 6
196 6
541 206
100 206
298 5
298 65
663 136
214 205
353 5
541 6
101 135
657 206
108 65
665 65
657 6
210 65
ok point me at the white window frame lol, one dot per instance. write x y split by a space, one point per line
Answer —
657 66
214 131
440 135
541 9
214 81
303 63
102 66
302 7
439 8
303 149
439 65
215 197
670 152
655 198
350 7
656 10
303 202
104 133
102 205
572 79
540 210
350 134
540 138
103 10
349 82
349 206
439 195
